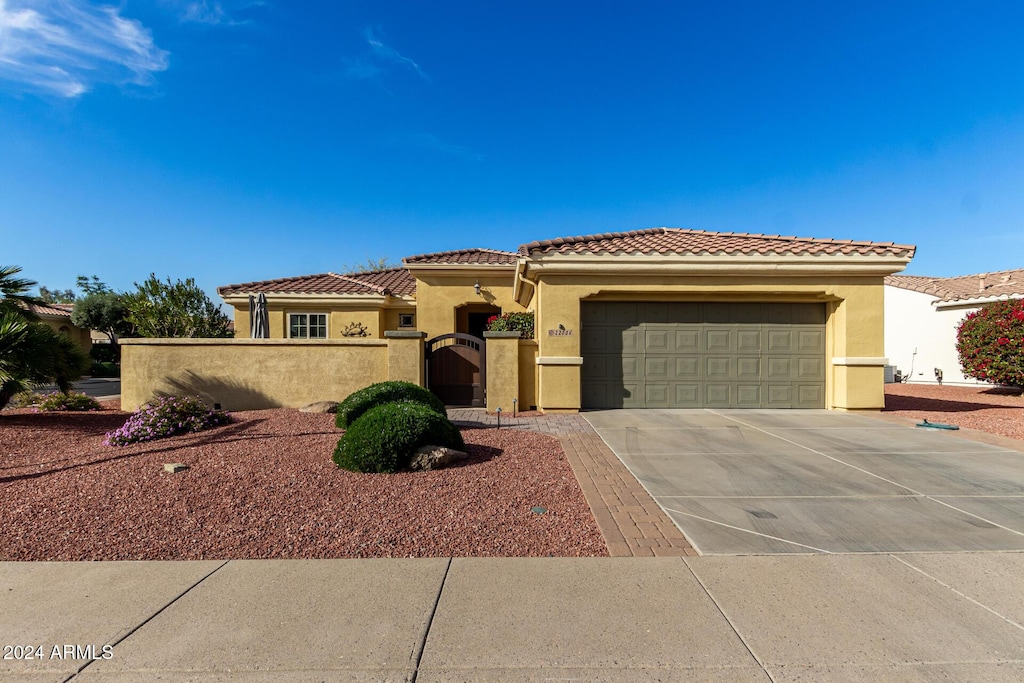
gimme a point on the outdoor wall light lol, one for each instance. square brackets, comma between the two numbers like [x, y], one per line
[476, 287]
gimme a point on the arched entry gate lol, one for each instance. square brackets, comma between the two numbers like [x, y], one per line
[457, 369]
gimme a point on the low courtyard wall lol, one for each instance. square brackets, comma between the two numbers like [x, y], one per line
[252, 374]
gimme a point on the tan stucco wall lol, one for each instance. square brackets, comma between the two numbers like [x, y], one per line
[245, 374]
[527, 374]
[854, 327]
[406, 362]
[439, 296]
[75, 334]
[390, 318]
[375, 320]
[502, 373]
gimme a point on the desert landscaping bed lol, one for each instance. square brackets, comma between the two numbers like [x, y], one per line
[265, 487]
[985, 408]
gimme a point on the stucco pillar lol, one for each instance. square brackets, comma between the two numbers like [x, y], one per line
[558, 336]
[857, 360]
[502, 370]
[405, 356]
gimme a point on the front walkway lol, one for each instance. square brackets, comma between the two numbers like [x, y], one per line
[632, 524]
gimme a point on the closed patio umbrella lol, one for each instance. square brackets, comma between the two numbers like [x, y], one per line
[261, 318]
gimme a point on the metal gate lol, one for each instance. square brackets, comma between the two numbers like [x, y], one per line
[457, 369]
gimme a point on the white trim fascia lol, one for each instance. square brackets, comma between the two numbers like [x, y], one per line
[743, 264]
[462, 269]
[242, 299]
[559, 360]
[979, 301]
[860, 361]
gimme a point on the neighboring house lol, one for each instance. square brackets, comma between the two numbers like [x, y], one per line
[662, 317]
[58, 317]
[922, 315]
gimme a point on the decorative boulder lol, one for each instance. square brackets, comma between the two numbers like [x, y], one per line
[320, 407]
[434, 458]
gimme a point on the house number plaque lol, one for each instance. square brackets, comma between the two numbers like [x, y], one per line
[559, 333]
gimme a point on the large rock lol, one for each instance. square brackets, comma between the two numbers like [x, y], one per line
[435, 457]
[320, 407]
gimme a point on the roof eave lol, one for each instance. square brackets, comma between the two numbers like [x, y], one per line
[941, 304]
[242, 298]
[461, 268]
[804, 264]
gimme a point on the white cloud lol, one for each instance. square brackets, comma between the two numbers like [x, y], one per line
[204, 13]
[65, 47]
[212, 12]
[387, 53]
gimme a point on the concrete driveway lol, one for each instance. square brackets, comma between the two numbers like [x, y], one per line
[742, 482]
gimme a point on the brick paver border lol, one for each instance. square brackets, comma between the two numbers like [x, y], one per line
[633, 525]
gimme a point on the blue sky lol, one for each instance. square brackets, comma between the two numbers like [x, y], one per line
[244, 140]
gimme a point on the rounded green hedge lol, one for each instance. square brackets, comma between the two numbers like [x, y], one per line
[385, 437]
[377, 394]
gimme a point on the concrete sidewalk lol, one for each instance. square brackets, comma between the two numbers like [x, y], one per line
[783, 618]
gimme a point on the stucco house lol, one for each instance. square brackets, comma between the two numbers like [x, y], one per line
[58, 318]
[922, 315]
[662, 317]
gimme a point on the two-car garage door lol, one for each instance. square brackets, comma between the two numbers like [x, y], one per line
[702, 355]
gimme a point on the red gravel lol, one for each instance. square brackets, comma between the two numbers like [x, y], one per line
[265, 487]
[985, 408]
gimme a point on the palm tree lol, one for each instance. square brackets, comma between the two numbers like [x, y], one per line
[30, 352]
[14, 294]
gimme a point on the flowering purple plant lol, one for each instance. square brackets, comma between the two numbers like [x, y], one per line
[164, 417]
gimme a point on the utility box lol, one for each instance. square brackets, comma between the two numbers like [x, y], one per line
[890, 374]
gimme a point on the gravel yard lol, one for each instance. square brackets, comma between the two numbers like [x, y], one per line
[985, 408]
[265, 487]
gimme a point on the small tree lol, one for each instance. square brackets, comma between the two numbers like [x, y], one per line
[990, 343]
[104, 312]
[178, 309]
[56, 296]
[92, 285]
[370, 265]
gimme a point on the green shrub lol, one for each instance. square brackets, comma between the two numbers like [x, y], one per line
[385, 437]
[990, 343]
[512, 322]
[166, 417]
[105, 353]
[374, 395]
[104, 370]
[25, 399]
[70, 401]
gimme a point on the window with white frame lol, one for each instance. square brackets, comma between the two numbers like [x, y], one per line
[307, 325]
[406, 320]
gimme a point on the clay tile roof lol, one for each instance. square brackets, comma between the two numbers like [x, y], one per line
[55, 310]
[394, 281]
[1008, 283]
[464, 257]
[683, 241]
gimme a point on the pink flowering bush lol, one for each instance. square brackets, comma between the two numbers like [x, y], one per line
[990, 343]
[165, 417]
[512, 322]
